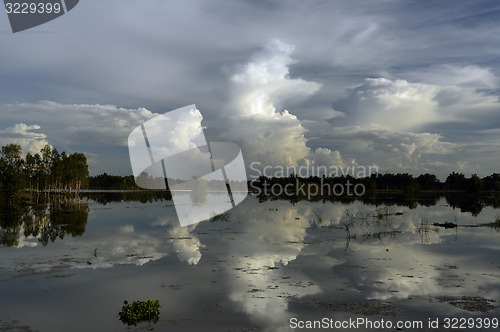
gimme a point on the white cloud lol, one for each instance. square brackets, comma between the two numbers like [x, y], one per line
[267, 132]
[399, 105]
[97, 130]
[186, 245]
[394, 105]
[418, 127]
[73, 124]
[109, 248]
[258, 257]
[264, 84]
[394, 151]
[25, 135]
[327, 157]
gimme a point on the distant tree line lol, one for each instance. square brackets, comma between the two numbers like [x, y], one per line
[429, 182]
[401, 182]
[51, 170]
[107, 181]
[41, 171]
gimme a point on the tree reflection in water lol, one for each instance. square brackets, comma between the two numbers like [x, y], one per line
[50, 218]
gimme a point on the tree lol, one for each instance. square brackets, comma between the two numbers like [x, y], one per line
[56, 170]
[428, 181]
[11, 168]
[474, 184]
[492, 182]
[39, 173]
[30, 170]
[455, 181]
[46, 165]
[77, 171]
[47, 170]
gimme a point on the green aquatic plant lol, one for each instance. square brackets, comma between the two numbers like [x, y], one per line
[139, 311]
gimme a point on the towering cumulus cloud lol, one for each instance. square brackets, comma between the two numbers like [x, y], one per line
[259, 92]
[26, 136]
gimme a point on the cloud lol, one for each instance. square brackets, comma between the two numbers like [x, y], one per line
[264, 84]
[471, 76]
[257, 120]
[393, 123]
[24, 135]
[105, 249]
[97, 130]
[258, 90]
[259, 259]
[72, 124]
[437, 69]
[395, 105]
[186, 245]
[418, 127]
[417, 265]
[327, 157]
[399, 105]
[394, 151]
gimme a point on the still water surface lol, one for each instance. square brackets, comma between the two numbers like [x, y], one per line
[69, 266]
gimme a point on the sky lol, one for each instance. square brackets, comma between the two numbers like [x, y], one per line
[408, 86]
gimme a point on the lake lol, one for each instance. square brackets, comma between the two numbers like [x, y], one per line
[267, 265]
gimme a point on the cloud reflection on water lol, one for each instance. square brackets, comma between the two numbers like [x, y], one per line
[266, 258]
